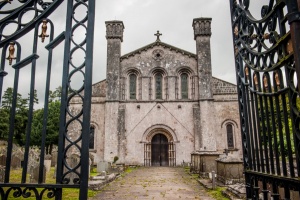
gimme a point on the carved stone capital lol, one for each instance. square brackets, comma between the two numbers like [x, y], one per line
[114, 30]
[202, 27]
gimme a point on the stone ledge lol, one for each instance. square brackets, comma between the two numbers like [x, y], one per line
[98, 184]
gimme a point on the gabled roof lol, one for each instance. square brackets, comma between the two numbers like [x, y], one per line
[158, 43]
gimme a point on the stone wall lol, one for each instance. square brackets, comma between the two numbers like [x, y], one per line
[227, 112]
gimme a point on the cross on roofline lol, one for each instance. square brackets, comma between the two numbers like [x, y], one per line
[157, 35]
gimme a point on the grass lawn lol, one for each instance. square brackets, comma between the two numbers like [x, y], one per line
[68, 193]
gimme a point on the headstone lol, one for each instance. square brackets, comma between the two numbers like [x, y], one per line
[15, 162]
[33, 157]
[3, 160]
[54, 158]
[2, 174]
[102, 166]
[47, 162]
[72, 162]
[34, 174]
[55, 169]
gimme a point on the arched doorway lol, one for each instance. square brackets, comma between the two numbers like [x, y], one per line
[159, 150]
[159, 146]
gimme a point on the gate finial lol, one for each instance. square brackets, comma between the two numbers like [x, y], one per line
[11, 51]
[44, 30]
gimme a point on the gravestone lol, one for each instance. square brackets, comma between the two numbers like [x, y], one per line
[102, 166]
[34, 174]
[54, 158]
[55, 169]
[2, 174]
[72, 162]
[16, 161]
[47, 162]
[3, 160]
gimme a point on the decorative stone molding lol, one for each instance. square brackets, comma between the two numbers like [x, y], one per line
[202, 27]
[162, 129]
[114, 30]
[158, 54]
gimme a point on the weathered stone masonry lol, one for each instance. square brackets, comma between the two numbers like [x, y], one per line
[186, 106]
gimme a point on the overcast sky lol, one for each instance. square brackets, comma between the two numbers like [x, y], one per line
[173, 18]
[142, 18]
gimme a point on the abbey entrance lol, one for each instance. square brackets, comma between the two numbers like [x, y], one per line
[159, 150]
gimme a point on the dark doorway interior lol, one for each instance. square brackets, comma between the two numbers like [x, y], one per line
[159, 150]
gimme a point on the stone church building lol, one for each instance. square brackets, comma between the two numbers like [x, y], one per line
[160, 103]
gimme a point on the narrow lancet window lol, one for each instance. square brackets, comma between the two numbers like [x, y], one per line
[230, 142]
[184, 86]
[158, 86]
[132, 83]
[92, 134]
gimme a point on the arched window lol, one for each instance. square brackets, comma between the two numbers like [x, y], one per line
[184, 86]
[158, 86]
[132, 86]
[92, 134]
[230, 142]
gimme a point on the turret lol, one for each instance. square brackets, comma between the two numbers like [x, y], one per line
[114, 36]
[202, 33]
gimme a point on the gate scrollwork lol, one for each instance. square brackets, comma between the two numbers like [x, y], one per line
[265, 61]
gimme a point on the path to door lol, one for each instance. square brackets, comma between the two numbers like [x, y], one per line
[154, 183]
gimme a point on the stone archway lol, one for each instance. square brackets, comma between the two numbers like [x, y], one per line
[159, 146]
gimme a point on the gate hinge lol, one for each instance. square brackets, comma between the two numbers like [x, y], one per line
[294, 16]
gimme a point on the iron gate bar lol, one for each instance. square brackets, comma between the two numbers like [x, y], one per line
[46, 99]
[267, 95]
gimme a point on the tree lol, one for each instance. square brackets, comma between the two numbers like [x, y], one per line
[21, 115]
[52, 128]
[35, 99]
[4, 122]
[55, 95]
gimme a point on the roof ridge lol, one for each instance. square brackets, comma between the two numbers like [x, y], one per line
[157, 43]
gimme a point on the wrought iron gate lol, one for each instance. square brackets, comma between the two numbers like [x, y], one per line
[15, 15]
[268, 69]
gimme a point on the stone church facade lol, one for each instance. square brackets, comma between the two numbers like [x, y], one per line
[160, 103]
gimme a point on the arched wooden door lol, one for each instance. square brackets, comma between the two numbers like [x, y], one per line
[159, 150]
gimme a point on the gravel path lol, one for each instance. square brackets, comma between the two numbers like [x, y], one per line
[154, 183]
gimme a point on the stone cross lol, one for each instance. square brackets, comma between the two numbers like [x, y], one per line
[157, 35]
